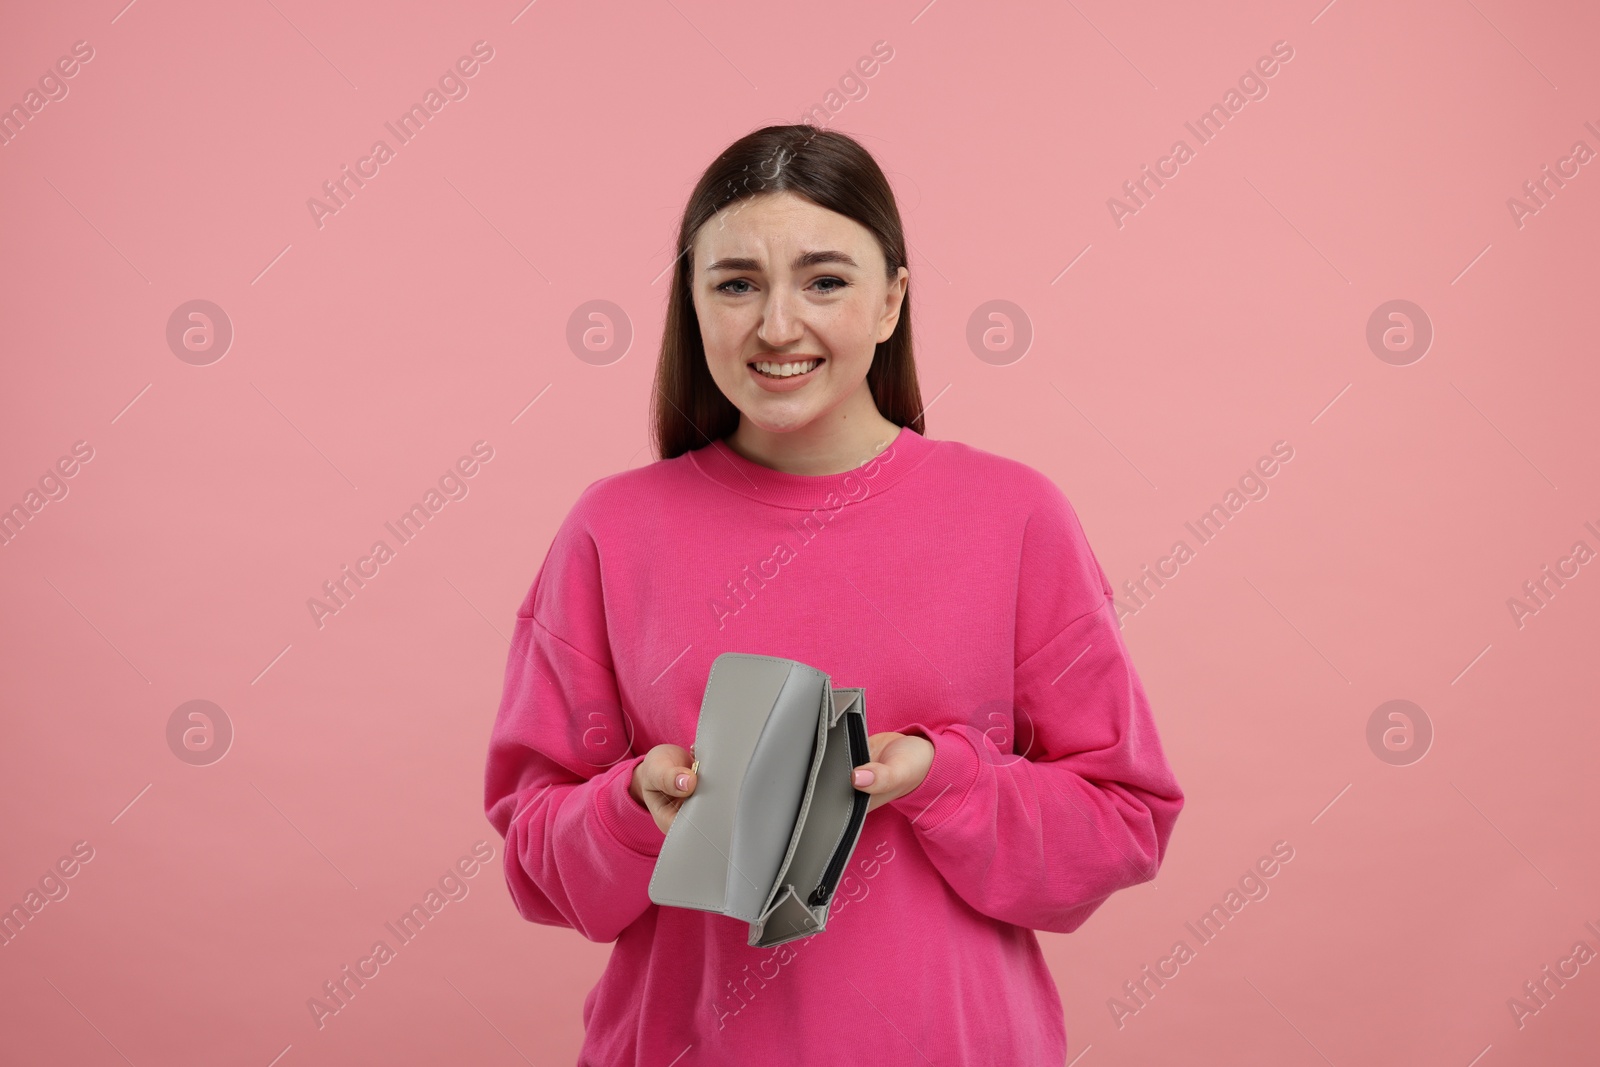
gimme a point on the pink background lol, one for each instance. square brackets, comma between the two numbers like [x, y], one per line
[1229, 313]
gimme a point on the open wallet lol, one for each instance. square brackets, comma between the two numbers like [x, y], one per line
[774, 816]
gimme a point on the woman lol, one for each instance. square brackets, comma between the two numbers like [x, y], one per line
[798, 510]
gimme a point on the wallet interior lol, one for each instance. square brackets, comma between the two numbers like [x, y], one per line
[827, 832]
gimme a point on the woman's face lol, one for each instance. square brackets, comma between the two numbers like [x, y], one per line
[780, 280]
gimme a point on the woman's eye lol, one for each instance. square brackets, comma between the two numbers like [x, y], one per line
[838, 283]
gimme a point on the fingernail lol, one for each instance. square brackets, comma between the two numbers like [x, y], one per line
[863, 777]
[682, 783]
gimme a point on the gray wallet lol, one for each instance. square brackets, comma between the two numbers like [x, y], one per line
[774, 816]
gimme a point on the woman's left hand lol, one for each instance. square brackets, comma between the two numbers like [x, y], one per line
[899, 764]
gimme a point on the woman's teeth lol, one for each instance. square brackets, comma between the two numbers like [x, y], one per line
[786, 370]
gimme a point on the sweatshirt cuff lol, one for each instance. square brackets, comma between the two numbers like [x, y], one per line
[628, 821]
[950, 778]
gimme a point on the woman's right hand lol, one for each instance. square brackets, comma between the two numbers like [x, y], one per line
[661, 781]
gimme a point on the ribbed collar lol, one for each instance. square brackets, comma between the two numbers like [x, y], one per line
[806, 491]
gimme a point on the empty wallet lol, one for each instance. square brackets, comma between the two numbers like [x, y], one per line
[774, 816]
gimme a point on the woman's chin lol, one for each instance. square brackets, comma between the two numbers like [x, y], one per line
[769, 424]
[779, 417]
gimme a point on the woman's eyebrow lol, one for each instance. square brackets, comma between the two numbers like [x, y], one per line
[805, 259]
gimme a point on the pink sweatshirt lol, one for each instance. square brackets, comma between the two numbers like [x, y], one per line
[958, 588]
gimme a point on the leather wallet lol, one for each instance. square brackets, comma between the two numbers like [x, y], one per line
[774, 816]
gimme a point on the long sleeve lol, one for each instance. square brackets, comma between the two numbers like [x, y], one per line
[579, 849]
[1037, 821]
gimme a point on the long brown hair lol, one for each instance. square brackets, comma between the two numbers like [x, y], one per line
[830, 169]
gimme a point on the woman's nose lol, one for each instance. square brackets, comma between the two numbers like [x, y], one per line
[780, 326]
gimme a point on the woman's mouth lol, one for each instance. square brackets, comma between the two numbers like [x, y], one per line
[785, 374]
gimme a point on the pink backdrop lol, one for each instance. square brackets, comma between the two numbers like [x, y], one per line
[188, 484]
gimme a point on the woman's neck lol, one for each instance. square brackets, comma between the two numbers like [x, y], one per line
[831, 444]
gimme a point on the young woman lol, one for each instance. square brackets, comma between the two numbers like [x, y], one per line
[799, 510]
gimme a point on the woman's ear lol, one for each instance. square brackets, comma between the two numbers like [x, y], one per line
[892, 301]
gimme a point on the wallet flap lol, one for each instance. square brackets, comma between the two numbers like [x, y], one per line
[729, 837]
[845, 700]
[775, 795]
